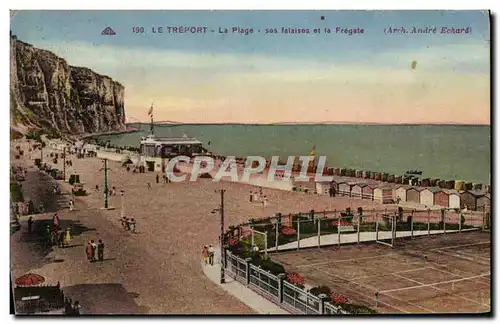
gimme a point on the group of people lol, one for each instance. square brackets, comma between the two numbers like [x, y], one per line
[128, 224]
[54, 235]
[258, 196]
[95, 252]
[208, 254]
[70, 308]
[111, 192]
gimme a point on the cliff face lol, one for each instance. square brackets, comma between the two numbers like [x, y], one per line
[48, 93]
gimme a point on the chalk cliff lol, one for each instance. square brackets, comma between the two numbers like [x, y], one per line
[47, 93]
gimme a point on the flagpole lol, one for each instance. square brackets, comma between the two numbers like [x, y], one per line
[151, 126]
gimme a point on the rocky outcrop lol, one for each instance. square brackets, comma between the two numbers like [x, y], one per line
[48, 93]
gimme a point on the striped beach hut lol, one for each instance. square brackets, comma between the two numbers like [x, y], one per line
[413, 195]
[367, 191]
[357, 190]
[383, 194]
[427, 195]
[453, 198]
[400, 193]
[472, 198]
[345, 189]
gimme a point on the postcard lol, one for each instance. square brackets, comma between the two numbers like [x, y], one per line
[333, 163]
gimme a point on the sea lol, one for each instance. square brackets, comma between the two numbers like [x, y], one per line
[446, 152]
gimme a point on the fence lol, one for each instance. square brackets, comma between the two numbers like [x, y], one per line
[276, 289]
[302, 230]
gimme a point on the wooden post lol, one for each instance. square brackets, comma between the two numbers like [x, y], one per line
[319, 233]
[428, 221]
[359, 224]
[338, 230]
[298, 233]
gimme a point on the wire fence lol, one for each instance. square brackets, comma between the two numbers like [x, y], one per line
[277, 289]
[304, 230]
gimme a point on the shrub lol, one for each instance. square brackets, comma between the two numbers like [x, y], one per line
[271, 266]
[295, 278]
[316, 291]
[338, 299]
[15, 192]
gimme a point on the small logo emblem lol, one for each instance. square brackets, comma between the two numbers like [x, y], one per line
[108, 31]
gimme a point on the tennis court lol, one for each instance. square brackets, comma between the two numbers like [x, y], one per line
[447, 273]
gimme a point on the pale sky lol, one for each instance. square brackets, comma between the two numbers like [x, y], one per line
[263, 78]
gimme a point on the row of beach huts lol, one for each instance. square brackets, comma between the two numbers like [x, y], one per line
[387, 193]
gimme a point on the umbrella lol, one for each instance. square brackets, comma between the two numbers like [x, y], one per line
[29, 279]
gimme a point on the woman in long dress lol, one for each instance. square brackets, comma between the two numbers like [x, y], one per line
[67, 237]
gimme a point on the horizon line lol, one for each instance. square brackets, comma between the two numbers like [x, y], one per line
[175, 123]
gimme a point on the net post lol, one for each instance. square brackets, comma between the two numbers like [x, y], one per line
[338, 230]
[376, 226]
[265, 244]
[253, 238]
[484, 217]
[393, 230]
[298, 232]
[411, 224]
[444, 221]
[460, 221]
[359, 223]
[376, 299]
[319, 233]
[428, 221]
[277, 233]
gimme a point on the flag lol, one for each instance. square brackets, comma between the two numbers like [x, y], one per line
[150, 112]
[313, 151]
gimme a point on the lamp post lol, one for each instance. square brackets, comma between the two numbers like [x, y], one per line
[122, 203]
[222, 250]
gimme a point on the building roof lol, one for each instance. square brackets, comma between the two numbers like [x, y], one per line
[384, 187]
[475, 192]
[433, 189]
[451, 192]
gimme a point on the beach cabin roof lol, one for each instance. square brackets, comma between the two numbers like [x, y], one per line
[405, 187]
[361, 185]
[416, 188]
[476, 192]
[433, 189]
[384, 187]
[451, 192]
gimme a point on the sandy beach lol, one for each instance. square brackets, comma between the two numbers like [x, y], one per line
[157, 270]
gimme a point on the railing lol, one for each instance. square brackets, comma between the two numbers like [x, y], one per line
[276, 289]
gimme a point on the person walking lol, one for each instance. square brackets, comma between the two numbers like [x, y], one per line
[132, 225]
[204, 254]
[76, 308]
[157, 178]
[88, 251]
[100, 251]
[30, 224]
[67, 237]
[61, 239]
[94, 250]
[211, 255]
[251, 197]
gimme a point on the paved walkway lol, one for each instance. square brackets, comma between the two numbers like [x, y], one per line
[332, 239]
[253, 300]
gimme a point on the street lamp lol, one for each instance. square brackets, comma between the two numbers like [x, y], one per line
[222, 250]
[122, 202]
